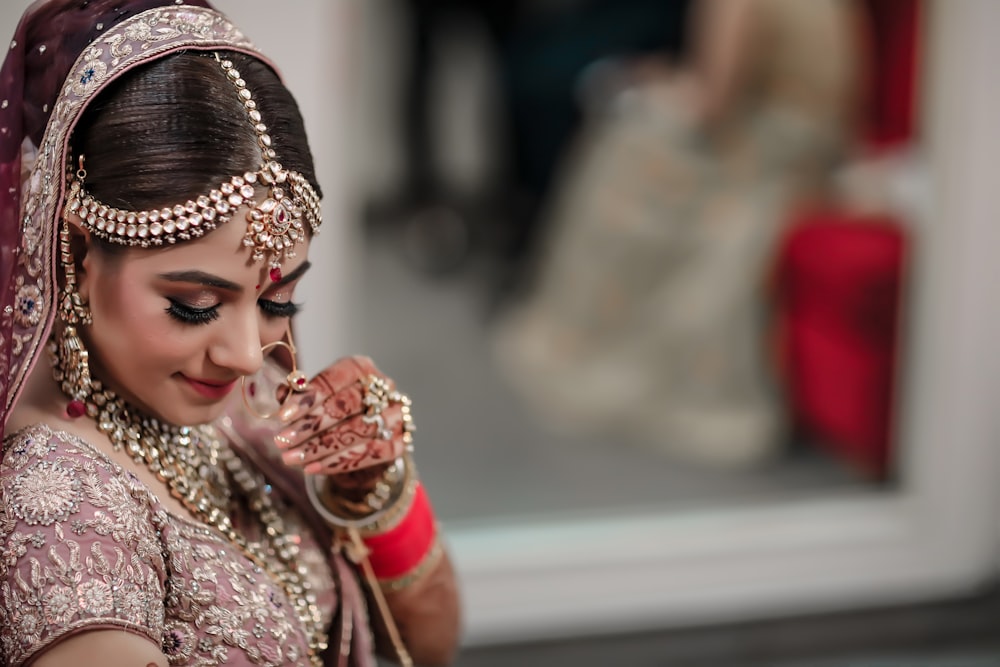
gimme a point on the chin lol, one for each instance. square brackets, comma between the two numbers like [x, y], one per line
[195, 415]
[182, 412]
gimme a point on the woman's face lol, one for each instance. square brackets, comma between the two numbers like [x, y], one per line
[176, 328]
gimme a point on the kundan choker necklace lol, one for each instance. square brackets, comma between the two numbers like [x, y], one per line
[202, 474]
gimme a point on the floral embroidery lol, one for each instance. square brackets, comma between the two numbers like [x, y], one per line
[95, 598]
[60, 605]
[44, 494]
[179, 643]
[28, 304]
[92, 72]
[108, 555]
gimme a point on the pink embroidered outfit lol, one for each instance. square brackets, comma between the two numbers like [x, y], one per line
[83, 543]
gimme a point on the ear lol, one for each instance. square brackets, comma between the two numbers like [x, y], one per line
[81, 249]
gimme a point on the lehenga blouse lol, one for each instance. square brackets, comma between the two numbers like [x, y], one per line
[85, 545]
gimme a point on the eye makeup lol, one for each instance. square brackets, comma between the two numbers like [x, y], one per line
[188, 314]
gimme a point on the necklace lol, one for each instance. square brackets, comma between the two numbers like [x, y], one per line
[201, 473]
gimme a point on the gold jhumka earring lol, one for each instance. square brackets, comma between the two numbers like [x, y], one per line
[73, 372]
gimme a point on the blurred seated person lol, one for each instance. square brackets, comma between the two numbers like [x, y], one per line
[648, 315]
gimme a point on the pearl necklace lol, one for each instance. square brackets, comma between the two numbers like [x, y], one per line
[199, 471]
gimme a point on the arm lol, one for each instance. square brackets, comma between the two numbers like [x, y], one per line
[723, 33]
[346, 445]
[428, 616]
[103, 648]
[404, 559]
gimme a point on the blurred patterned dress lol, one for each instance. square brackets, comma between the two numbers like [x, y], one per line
[649, 315]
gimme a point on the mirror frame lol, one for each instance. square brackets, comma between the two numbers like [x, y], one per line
[935, 536]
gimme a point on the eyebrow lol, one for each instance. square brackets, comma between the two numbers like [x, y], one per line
[208, 280]
[296, 274]
[200, 278]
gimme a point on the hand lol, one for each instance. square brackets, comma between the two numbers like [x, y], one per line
[330, 430]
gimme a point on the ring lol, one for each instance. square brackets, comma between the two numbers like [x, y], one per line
[377, 396]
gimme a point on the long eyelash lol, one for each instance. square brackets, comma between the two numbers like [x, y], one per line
[188, 315]
[278, 309]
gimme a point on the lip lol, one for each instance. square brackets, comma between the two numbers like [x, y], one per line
[213, 389]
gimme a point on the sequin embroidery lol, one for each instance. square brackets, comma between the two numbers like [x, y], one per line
[84, 544]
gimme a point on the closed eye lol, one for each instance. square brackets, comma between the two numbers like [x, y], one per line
[278, 308]
[186, 314]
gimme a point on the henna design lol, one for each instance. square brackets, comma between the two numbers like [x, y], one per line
[332, 429]
[372, 453]
[346, 435]
[347, 402]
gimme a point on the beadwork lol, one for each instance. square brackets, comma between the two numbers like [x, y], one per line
[274, 225]
[203, 475]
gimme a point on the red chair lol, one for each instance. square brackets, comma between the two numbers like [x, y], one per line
[839, 276]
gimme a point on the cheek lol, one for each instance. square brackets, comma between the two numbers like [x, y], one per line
[272, 329]
[128, 318]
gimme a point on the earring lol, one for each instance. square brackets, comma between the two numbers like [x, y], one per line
[71, 369]
[295, 381]
[72, 307]
[70, 359]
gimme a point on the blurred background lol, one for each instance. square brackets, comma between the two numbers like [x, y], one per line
[647, 252]
[695, 302]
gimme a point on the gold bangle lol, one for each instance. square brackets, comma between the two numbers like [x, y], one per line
[336, 511]
[393, 514]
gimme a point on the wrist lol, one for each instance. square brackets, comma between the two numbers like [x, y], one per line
[396, 531]
[403, 552]
[361, 500]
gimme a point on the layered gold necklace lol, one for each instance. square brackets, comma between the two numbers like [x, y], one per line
[202, 474]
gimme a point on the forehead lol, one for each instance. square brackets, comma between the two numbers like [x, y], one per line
[221, 252]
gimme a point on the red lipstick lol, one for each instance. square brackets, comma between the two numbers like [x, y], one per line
[213, 389]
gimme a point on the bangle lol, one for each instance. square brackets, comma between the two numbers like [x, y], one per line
[341, 512]
[403, 553]
[429, 561]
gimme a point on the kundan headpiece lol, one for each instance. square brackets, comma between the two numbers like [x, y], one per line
[274, 225]
[64, 53]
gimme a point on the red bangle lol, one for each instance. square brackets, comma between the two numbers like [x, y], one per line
[403, 548]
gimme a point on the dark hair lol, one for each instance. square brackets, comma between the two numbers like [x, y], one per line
[177, 128]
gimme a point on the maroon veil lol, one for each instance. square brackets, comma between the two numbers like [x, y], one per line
[49, 39]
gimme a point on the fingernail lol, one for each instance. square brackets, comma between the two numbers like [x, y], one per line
[293, 411]
[284, 439]
[293, 458]
[313, 468]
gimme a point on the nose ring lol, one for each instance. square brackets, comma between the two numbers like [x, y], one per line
[295, 381]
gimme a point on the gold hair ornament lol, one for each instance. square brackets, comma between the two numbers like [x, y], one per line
[274, 225]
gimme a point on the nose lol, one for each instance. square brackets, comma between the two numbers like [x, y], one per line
[237, 347]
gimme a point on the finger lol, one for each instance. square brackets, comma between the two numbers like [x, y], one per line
[347, 434]
[322, 416]
[341, 375]
[371, 453]
[344, 372]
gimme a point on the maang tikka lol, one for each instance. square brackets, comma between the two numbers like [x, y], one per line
[274, 225]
